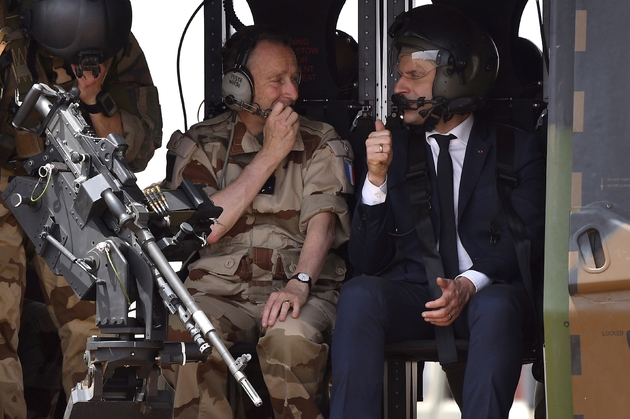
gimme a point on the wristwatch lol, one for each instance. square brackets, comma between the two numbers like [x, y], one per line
[304, 278]
[105, 104]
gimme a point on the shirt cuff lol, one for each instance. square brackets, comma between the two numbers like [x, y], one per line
[373, 195]
[478, 279]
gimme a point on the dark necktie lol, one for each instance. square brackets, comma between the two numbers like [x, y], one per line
[448, 232]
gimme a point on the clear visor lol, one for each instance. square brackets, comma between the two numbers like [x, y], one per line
[414, 68]
[430, 55]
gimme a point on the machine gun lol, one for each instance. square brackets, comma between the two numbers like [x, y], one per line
[88, 219]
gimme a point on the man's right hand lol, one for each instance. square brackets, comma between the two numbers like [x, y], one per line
[379, 153]
[280, 131]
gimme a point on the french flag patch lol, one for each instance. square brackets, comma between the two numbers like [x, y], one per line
[349, 170]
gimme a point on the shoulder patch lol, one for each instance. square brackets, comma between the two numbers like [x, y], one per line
[349, 166]
[340, 148]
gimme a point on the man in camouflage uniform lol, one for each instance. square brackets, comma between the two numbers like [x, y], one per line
[280, 182]
[138, 118]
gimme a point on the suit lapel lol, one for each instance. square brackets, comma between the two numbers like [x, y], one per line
[477, 152]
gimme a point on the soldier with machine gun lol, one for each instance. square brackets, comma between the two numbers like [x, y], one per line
[117, 95]
[82, 209]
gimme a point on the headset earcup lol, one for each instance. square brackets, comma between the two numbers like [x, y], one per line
[238, 83]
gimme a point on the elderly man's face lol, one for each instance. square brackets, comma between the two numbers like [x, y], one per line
[275, 72]
[416, 80]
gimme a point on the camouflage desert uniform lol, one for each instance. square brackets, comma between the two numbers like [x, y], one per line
[130, 84]
[234, 277]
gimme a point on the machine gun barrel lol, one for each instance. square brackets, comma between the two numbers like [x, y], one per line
[201, 319]
[149, 245]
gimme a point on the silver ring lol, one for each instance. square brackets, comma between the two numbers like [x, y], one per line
[380, 148]
[450, 316]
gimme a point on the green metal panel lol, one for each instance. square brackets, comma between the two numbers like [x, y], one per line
[587, 277]
[599, 241]
[559, 169]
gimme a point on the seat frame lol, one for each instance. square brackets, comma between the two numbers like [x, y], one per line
[402, 383]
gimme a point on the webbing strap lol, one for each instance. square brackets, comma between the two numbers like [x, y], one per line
[506, 182]
[20, 51]
[504, 210]
[419, 193]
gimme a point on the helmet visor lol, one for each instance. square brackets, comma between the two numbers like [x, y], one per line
[416, 68]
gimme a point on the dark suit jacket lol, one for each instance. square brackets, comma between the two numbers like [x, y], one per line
[384, 242]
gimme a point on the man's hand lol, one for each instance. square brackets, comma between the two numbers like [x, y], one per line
[455, 296]
[378, 147]
[103, 125]
[280, 131]
[293, 296]
[89, 85]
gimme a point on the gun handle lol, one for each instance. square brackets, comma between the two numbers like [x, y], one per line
[27, 106]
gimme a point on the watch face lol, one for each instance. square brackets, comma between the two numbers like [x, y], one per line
[109, 106]
[303, 277]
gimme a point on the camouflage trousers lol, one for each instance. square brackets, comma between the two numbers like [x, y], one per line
[293, 355]
[74, 319]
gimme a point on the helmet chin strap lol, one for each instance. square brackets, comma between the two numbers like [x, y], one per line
[432, 117]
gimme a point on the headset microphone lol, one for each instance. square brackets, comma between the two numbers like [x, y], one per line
[456, 106]
[232, 101]
[404, 103]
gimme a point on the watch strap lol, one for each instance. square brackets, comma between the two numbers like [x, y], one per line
[93, 108]
[105, 104]
[309, 282]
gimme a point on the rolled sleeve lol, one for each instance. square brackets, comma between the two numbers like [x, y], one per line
[326, 181]
[314, 204]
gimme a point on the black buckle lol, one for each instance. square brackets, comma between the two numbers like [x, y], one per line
[511, 180]
[269, 187]
[417, 175]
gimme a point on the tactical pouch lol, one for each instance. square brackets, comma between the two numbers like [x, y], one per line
[7, 145]
[27, 144]
[181, 148]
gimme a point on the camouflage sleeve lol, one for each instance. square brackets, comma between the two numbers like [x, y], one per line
[329, 175]
[187, 159]
[130, 84]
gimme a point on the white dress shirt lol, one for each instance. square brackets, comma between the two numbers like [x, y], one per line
[374, 195]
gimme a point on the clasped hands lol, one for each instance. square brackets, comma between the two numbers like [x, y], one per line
[455, 295]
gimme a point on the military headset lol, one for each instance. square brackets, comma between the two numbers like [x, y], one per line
[237, 87]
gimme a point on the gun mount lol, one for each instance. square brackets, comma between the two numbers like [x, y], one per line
[86, 216]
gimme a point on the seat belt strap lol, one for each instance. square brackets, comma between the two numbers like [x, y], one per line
[506, 182]
[420, 196]
[504, 211]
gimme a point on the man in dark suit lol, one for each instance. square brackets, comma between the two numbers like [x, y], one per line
[447, 64]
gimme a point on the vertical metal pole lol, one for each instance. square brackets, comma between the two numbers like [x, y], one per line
[214, 35]
[368, 51]
[392, 9]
